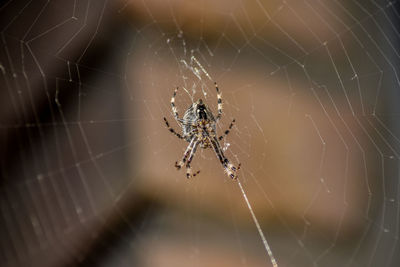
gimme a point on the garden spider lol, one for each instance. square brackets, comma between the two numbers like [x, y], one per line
[199, 128]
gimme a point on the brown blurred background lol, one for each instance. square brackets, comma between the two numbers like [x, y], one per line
[87, 175]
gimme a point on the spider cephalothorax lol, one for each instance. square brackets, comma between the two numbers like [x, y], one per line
[199, 128]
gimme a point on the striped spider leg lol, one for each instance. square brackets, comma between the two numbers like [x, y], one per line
[199, 129]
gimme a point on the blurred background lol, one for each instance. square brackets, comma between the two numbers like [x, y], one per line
[87, 164]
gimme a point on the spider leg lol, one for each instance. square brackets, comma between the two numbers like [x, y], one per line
[227, 131]
[188, 168]
[219, 99]
[172, 130]
[230, 169]
[186, 154]
[173, 107]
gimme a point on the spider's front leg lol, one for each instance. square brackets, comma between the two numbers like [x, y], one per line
[188, 151]
[188, 168]
[227, 131]
[230, 169]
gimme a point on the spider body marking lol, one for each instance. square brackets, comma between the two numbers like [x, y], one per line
[199, 129]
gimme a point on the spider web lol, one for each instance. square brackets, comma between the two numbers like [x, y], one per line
[87, 164]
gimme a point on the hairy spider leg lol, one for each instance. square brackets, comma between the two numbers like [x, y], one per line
[173, 107]
[225, 161]
[219, 99]
[186, 154]
[230, 169]
[227, 131]
[188, 168]
[172, 130]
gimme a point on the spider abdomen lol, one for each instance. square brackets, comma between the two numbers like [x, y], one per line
[199, 129]
[197, 119]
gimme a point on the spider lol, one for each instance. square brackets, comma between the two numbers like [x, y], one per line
[199, 128]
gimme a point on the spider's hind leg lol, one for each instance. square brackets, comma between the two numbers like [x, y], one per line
[173, 107]
[219, 100]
